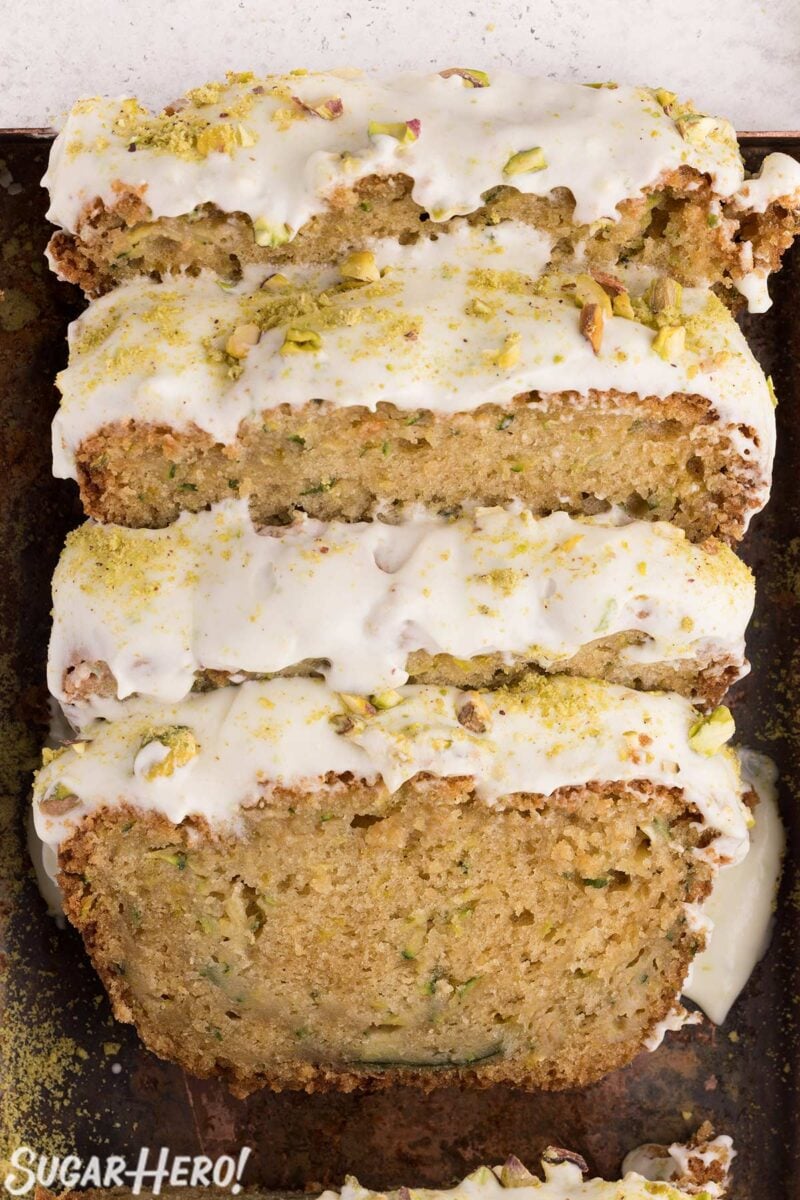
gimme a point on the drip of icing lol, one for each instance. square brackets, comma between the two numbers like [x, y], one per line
[778, 179]
[281, 162]
[742, 903]
[754, 286]
[212, 592]
[676, 1019]
[430, 335]
[44, 859]
[231, 743]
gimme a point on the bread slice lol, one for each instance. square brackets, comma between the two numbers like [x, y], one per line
[433, 382]
[307, 166]
[282, 886]
[682, 1170]
[471, 601]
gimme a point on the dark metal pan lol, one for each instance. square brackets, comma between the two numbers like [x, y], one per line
[75, 1081]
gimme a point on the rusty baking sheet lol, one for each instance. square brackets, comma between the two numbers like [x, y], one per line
[75, 1081]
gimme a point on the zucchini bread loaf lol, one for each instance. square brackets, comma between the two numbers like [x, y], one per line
[374, 387]
[306, 166]
[473, 601]
[282, 885]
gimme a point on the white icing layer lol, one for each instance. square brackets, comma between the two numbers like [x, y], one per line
[566, 1181]
[155, 353]
[211, 592]
[742, 904]
[560, 732]
[284, 163]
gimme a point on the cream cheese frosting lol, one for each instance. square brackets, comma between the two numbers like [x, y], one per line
[212, 592]
[741, 906]
[213, 753]
[271, 148]
[442, 336]
[562, 1178]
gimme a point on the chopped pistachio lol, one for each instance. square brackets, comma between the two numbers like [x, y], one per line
[709, 734]
[246, 138]
[242, 340]
[181, 744]
[49, 754]
[297, 341]
[208, 93]
[267, 234]
[388, 698]
[222, 139]
[589, 291]
[481, 1176]
[771, 390]
[474, 79]
[360, 265]
[614, 286]
[525, 161]
[478, 308]
[514, 1174]
[59, 800]
[665, 295]
[507, 356]
[347, 723]
[665, 99]
[591, 325]
[402, 131]
[622, 307]
[473, 712]
[555, 1155]
[328, 110]
[670, 341]
[274, 282]
[359, 705]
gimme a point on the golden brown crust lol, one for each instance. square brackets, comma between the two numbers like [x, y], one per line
[99, 896]
[661, 459]
[667, 228]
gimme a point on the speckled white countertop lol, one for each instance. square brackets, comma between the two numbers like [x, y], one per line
[737, 58]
